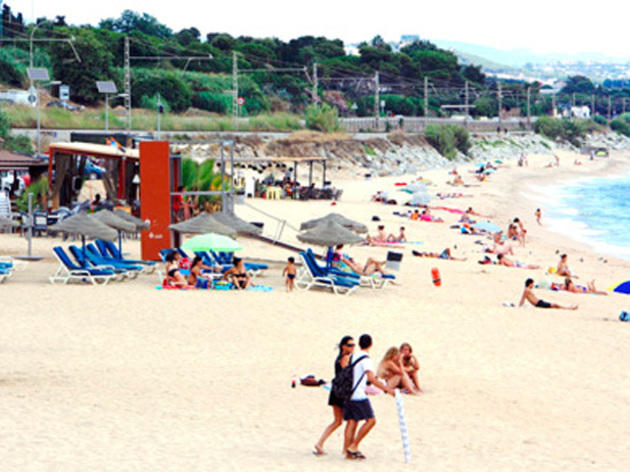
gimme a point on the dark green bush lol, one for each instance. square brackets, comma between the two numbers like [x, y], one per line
[621, 127]
[448, 139]
[323, 118]
[600, 120]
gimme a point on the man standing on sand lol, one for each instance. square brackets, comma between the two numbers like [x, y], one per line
[528, 294]
[358, 407]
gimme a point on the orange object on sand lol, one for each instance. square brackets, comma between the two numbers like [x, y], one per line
[435, 274]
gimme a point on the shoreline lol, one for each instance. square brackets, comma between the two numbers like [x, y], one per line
[615, 167]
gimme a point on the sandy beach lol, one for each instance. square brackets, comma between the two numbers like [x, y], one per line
[128, 377]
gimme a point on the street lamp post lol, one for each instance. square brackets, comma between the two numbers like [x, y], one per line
[39, 75]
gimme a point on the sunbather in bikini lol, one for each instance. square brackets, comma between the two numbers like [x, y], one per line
[445, 254]
[196, 279]
[173, 275]
[569, 286]
[504, 261]
[392, 371]
[371, 265]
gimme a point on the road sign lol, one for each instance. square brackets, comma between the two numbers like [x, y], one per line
[64, 93]
[240, 101]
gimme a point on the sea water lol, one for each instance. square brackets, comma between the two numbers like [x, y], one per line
[593, 210]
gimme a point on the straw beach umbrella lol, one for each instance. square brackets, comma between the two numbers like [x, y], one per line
[84, 225]
[336, 218]
[202, 224]
[114, 221]
[140, 224]
[240, 225]
[329, 233]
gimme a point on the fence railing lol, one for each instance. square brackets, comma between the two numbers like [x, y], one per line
[414, 124]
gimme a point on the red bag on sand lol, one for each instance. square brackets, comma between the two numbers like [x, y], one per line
[400, 184]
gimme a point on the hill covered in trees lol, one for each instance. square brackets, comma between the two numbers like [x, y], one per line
[276, 75]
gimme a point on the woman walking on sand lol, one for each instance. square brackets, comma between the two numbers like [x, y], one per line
[346, 348]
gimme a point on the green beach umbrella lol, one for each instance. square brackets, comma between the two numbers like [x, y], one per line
[211, 242]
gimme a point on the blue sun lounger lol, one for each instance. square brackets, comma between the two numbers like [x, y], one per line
[69, 271]
[376, 280]
[84, 262]
[109, 250]
[311, 275]
[95, 258]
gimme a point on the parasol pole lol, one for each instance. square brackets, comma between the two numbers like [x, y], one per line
[403, 426]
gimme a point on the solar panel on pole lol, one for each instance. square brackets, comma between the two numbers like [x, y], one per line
[38, 74]
[106, 86]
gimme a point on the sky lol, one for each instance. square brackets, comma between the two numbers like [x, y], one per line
[541, 26]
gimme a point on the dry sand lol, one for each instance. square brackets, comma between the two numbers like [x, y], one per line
[126, 377]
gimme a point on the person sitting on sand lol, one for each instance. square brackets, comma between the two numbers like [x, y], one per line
[415, 216]
[427, 216]
[173, 275]
[528, 294]
[380, 234]
[410, 364]
[371, 265]
[401, 238]
[196, 279]
[504, 261]
[445, 254]
[563, 268]
[569, 286]
[392, 371]
[501, 246]
[238, 275]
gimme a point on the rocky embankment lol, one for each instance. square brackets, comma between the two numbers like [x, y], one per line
[395, 153]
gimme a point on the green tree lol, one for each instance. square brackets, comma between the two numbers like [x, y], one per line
[96, 64]
[578, 84]
[130, 21]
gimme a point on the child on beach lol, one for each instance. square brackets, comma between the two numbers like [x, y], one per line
[538, 215]
[289, 272]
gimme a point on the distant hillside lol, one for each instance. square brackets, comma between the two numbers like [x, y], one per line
[486, 64]
[521, 56]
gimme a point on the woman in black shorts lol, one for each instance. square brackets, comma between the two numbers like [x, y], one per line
[346, 348]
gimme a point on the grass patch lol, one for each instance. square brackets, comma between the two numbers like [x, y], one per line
[369, 151]
[57, 118]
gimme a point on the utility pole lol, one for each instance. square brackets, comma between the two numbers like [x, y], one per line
[529, 100]
[377, 100]
[592, 104]
[128, 84]
[426, 101]
[234, 89]
[466, 98]
[553, 105]
[500, 99]
[573, 100]
[315, 83]
[609, 108]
